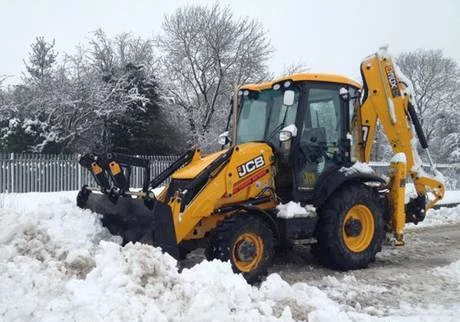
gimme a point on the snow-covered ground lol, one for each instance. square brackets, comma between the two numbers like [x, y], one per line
[442, 216]
[57, 263]
[450, 197]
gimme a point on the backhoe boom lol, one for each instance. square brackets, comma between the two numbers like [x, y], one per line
[388, 97]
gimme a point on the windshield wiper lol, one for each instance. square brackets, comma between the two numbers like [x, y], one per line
[279, 126]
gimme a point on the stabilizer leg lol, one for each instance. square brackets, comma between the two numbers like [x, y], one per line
[397, 195]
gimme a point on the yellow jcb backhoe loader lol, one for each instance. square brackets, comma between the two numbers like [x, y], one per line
[298, 138]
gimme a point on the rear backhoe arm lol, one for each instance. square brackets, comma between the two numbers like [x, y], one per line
[388, 97]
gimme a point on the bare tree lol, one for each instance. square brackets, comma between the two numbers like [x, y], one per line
[2, 79]
[295, 68]
[205, 50]
[436, 85]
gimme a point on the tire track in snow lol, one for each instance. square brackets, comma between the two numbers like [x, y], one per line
[401, 279]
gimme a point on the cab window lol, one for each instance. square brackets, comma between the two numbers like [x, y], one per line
[322, 124]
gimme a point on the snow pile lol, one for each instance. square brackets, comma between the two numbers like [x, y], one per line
[353, 292]
[58, 263]
[358, 167]
[38, 251]
[295, 210]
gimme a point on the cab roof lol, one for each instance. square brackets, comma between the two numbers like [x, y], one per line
[317, 77]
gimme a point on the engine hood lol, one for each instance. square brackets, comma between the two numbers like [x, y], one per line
[246, 152]
[195, 167]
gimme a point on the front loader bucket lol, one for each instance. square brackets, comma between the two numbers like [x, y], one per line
[132, 219]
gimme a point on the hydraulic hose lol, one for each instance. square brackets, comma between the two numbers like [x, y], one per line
[418, 127]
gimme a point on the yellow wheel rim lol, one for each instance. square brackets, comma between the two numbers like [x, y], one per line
[358, 228]
[247, 252]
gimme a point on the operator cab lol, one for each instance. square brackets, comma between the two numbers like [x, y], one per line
[306, 119]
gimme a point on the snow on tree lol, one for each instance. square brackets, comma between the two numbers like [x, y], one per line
[436, 81]
[23, 125]
[205, 50]
[79, 102]
[41, 59]
[135, 122]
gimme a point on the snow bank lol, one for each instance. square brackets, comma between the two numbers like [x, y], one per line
[442, 216]
[21, 202]
[57, 263]
[450, 197]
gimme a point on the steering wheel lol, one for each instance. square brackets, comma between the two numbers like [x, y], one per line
[312, 153]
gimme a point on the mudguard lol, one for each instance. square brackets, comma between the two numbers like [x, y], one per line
[331, 180]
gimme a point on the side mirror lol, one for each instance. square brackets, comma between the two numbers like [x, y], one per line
[344, 94]
[288, 97]
[224, 138]
[288, 133]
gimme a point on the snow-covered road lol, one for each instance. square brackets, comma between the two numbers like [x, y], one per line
[57, 263]
[419, 277]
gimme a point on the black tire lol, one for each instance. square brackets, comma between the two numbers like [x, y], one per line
[210, 252]
[240, 236]
[341, 245]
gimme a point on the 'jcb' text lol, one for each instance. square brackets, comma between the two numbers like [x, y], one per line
[250, 166]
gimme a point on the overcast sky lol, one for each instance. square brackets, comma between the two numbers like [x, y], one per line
[328, 36]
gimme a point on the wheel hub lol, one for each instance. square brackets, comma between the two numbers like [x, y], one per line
[358, 228]
[353, 227]
[246, 251]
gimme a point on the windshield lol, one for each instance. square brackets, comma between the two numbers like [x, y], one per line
[263, 114]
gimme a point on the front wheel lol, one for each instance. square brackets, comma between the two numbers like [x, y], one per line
[247, 242]
[350, 228]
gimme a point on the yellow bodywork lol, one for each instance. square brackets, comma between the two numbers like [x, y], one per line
[318, 77]
[314, 146]
[225, 187]
[197, 165]
[398, 176]
[388, 102]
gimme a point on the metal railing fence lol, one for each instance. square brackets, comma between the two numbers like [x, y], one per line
[28, 172]
[48, 173]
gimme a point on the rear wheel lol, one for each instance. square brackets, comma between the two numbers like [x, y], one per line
[350, 228]
[247, 242]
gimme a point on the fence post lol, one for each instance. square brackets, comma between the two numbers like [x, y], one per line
[12, 172]
[79, 173]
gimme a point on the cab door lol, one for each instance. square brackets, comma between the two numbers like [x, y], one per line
[321, 134]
